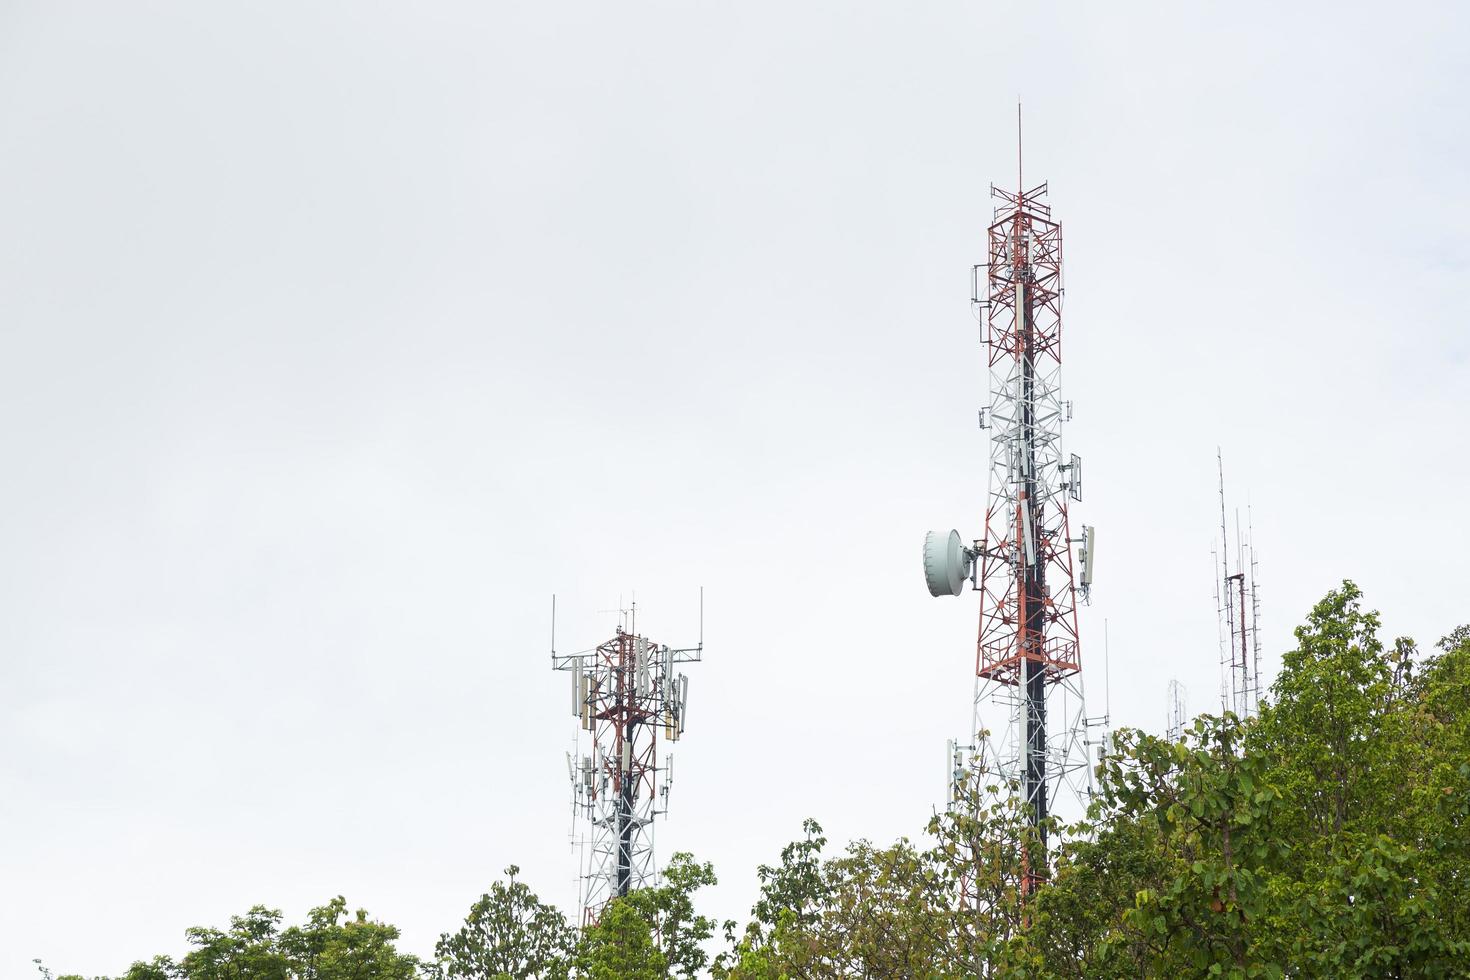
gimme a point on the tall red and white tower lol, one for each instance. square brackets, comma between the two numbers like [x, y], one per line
[1030, 721]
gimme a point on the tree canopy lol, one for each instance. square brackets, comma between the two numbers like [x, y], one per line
[509, 933]
[1327, 837]
[330, 945]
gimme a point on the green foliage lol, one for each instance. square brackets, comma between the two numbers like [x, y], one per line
[869, 912]
[162, 968]
[1331, 724]
[795, 885]
[46, 973]
[1195, 817]
[983, 844]
[620, 947]
[668, 909]
[331, 946]
[334, 946]
[652, 932]
[884, 913]
[509, 933]
[790, 902]
[1325, 839]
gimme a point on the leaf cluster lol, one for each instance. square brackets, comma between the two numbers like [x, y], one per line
[332, 944]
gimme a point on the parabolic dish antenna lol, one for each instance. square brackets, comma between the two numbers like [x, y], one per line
[946, 563]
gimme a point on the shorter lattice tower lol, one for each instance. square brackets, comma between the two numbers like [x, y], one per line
[628, 696]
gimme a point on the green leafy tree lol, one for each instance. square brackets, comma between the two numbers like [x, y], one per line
[249, 948]
[794, 886]
[1332, 727]
[46, 973]
[161, 968]
[885, 913]
[1441, 806]
[509, 933]
[620, 947]
[983, 844]
[334, 946]
[790, 900]
[869, 912]
[331, 945]
[1073, 926]
[1205, 903]
[1355, 734]
[668, 909]
[1326, 839]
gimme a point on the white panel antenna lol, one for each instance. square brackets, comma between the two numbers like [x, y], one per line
[1027, 536]
[1087, 553]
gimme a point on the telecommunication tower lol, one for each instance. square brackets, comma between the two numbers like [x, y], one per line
[1177, 714]
[627, 695]
[1029, 720]
[1238, 611]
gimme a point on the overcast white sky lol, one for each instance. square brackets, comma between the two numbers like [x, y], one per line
[336, 337]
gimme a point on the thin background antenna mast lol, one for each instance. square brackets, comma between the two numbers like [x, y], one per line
[1237, 606]
[1174, 730]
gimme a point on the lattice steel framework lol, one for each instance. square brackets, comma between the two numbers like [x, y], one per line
[627, 696]
[1029, 705]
